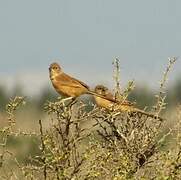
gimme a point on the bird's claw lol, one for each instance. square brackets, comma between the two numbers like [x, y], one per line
[71, 99]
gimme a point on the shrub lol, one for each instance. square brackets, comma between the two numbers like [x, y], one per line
[96, 144]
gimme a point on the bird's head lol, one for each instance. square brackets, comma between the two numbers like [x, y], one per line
[100, 89]
[55, 68]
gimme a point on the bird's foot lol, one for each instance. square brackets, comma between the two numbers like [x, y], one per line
[73, 101]
[66, 102]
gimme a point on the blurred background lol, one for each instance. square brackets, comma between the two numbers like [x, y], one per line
[84, 37]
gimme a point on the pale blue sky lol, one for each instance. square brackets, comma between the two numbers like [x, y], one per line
[85, 36]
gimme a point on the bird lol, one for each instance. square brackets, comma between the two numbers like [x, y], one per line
[104, 91]
[68, 86]
[125, 106]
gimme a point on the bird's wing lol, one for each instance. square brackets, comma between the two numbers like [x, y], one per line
[67, 80]
[102, 96]
[109, 95]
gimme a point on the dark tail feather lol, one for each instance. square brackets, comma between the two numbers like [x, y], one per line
[98, 95]
[148, 114]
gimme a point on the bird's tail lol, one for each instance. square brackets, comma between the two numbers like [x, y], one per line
[129, 108]
[104, 97]
[132, 109]
[147, 114]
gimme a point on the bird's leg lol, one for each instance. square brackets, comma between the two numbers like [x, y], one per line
[69, 98]
[65, 100]
[73, 101]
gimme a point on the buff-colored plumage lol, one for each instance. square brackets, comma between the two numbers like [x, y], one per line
[65, 84]
[102, 90]
[68, 86]
[125, 106]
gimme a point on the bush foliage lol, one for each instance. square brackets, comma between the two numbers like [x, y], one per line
[94, 144]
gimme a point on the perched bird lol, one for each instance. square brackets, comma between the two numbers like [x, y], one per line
[68, 86]
[102, 90]
[125, 106]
